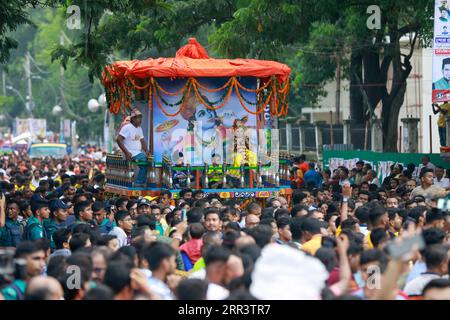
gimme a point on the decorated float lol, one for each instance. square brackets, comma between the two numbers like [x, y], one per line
[211, 124]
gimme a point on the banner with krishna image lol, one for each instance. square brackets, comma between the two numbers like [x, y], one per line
[192, 124]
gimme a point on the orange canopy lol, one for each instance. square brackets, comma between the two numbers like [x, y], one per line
[192, 60]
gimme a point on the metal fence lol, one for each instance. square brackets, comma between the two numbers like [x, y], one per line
[359, 141]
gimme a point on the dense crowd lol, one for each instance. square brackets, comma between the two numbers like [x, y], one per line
[342, 235]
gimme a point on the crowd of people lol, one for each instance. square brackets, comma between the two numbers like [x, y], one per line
[342, 235]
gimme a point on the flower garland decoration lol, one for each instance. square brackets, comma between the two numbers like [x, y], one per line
[270, 93]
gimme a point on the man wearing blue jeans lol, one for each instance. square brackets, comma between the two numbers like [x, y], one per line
[132, 143]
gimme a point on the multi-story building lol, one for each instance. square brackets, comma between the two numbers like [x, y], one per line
[417, 103]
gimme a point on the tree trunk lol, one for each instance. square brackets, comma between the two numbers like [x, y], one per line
[356, 99]
[390, 114]
[393, 102]
[371, 64]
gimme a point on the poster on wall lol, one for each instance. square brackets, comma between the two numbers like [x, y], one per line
[197, 134]
[22, 126]
[66, 128]
[37, 128]
[441, 51]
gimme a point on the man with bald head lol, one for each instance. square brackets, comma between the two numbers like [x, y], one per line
[283, 202]
[235, 268]
[44, 288]
[251, 221]
[244, 240]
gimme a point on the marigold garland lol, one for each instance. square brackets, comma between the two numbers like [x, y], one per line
[238, 93]
[119, 92]
[258, 90]
[195, 81]
[207, 106]
[155, 83]
[139, 87]
[179, 102]
[150, 98]
[162, 109]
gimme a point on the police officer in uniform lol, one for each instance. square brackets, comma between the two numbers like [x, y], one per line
[12, 230]
[58, 214]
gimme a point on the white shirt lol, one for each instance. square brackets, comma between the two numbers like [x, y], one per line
[121, 236]
[35, 182]
[199, 274]
[132, 138]
[428, 193]
[429, 166]
[418, 268]
[147, 273]
[444, 183]
[161, 289]
[216, 292]
[98, 155]
[363, 230]
[375, 181]
[415, 287]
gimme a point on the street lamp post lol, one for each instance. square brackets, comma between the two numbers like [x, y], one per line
[93, 106]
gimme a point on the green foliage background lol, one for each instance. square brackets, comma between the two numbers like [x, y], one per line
[308, 35]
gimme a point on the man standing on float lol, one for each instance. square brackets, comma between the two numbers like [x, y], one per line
[132, 143]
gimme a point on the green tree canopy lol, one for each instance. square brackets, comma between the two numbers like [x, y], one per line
[310, 35]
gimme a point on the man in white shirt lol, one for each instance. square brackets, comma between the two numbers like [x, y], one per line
[343, 176]
[123, 229]
[132, 143]
[216, 260]
[36, 178]
[426, 164]
[70, 171]
[427, 189]
[439, 180]
[3, 175]
[371, 178]
[98, 155]
[161, 261]
[436, 260]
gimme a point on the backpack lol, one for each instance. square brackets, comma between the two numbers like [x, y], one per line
[106, 228]
[29, 228]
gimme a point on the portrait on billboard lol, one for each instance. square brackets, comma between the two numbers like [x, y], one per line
[444, 82]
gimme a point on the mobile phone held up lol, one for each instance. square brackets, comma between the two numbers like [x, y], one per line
[399, 250]
[184, 214]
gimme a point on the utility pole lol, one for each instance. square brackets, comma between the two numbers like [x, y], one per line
[61, 75]
[66, 109]
[27, 67]
[4, 82]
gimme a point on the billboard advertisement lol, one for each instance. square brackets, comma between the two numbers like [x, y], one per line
[441, 52]
[186, 131]
[66, 128]
[37, 128]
